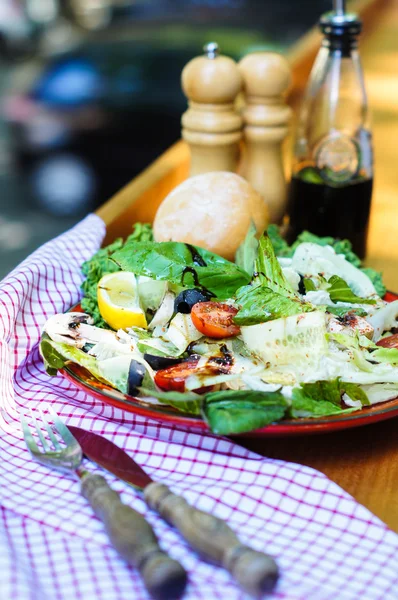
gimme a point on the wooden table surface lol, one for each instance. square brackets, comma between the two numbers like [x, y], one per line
[363, 461]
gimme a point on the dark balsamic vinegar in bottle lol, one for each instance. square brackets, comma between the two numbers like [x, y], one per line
[332, 176]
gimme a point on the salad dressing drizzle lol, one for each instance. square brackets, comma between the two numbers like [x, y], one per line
[196, 282]
[198, 260]
[226, 359]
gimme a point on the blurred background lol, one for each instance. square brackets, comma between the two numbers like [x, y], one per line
[90, 95]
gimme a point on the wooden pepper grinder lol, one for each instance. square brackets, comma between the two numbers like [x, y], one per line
[211, 125]
[266, 76]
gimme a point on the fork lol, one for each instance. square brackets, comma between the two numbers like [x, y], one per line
[131, 535]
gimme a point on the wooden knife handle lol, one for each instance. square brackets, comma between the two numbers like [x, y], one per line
[256, 572]
[134, 539]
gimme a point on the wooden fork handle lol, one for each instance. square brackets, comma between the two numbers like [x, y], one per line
[134, 539]
[256, 572]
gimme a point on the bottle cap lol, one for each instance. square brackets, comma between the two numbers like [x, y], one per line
[340, 24]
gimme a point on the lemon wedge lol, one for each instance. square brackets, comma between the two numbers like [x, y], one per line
[118, 301]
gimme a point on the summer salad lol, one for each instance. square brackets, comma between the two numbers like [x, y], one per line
[284, 332]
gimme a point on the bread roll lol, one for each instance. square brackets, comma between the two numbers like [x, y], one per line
[213, 210]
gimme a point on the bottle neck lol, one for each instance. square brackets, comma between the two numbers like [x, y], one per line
[341, 31]
[343, 44]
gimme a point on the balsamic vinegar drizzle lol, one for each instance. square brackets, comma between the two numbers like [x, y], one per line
[198, 261]
[194, 275]
[225, 360]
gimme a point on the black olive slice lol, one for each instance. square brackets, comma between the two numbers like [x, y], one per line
[136, 376]
[187, 298]
[301, 286]
[161, 362]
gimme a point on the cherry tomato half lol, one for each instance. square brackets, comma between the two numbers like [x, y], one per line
[214, 319]
[173, 378]
[389, 342]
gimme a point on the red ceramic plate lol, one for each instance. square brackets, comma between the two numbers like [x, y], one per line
[160, 412]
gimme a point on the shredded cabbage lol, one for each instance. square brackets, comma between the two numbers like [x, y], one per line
[311, 260]
[384, 319]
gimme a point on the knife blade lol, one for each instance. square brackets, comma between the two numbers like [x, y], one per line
[110, 457]
[256, 572]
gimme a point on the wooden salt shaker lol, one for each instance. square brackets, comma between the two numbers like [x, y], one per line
[211, 125]
[266, 76]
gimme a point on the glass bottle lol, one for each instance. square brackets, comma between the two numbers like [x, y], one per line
[332, 173]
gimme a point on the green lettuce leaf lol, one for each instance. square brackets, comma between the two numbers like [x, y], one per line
[158, 347]
[377, 279]
[182, 264]
[323, 390]
[323, 398]
[345, 247]
[228, 412]
[52, 358]
[385, 355]
[270, 295]
[357, 341]
[259, 304]
[304, 406]
[309, 285]
[355, 392]
[100, 264]
[94, 269]
[332, 391]
[247, 251]
[341, 311]
[113, 371]
[56, 354]
[340, 291]
[268, 270]
[358, 345]
[188, 402]
[279, 244]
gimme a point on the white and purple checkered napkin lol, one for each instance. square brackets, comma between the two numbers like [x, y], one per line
[51, 545]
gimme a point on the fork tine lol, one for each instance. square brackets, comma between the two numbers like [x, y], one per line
[51, 435]
[62, 428]
[29, 439]
[64, 458]
[39, 431]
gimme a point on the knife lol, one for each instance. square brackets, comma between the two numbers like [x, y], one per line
[256, 572]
